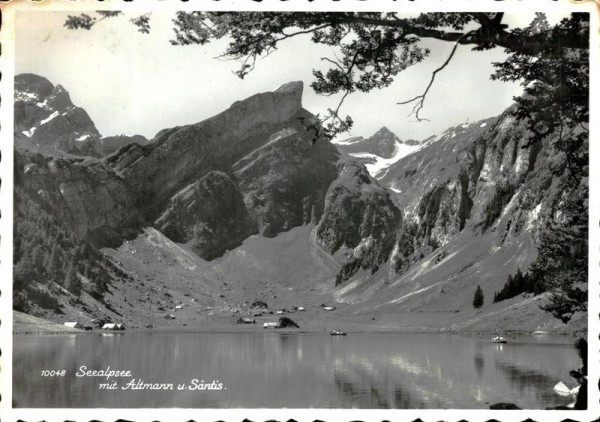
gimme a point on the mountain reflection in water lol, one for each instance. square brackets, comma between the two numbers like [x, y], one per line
[377, 370]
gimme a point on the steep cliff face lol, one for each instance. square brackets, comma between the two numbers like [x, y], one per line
[284, 181]
[87, 196]
[475, 184]
[255, 167]
[359, 218]
[474, 176]
[209, 215]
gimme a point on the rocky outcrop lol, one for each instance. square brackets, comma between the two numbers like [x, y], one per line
[359, 217]
[209, 215]
[285, 322]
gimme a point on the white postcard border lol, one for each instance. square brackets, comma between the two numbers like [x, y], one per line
[7, 37]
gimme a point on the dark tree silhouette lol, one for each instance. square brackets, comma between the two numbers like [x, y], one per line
[478, 298]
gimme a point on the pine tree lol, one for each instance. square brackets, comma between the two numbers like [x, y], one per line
[478, 298]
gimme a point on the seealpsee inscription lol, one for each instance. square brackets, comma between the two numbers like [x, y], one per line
[105, 373]
[110, 380]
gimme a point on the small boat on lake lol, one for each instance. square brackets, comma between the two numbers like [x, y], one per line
[338, 333]
[498, 339]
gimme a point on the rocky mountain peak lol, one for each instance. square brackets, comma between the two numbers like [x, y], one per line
[47, 121]
[59, 99]
[381, 144]
[294, 87]
[266, 107]
[45, 118]
[384, 132]
[260, 140]
[29, 83]
[37, 91]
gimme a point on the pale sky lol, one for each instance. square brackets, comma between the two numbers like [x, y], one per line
[132, 83]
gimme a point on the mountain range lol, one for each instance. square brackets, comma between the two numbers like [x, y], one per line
[247, 205]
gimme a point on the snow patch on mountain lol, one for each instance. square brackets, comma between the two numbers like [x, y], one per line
[378, 165]
[47, 119]
[348, 141]
[29, 133]
[26, 96]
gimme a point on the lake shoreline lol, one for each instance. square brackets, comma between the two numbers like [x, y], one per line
[35, 326]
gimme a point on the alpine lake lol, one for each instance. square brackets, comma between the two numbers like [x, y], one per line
[294, 370]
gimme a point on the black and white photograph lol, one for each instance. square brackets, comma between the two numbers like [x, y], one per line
[300, 209]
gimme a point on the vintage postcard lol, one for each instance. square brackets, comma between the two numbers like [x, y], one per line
[299, 210]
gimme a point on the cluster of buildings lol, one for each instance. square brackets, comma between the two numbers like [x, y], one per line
[110, 326]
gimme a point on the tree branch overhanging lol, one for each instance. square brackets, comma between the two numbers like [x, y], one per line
[374, 46]
[421, 98]
[490, 32]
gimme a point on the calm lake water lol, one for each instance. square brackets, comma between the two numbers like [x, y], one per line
[273, 370]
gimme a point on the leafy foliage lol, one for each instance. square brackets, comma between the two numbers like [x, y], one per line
[556, 90]
[555, 106]
[143, 23]
[85, 21]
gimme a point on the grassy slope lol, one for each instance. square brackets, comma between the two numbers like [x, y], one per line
[292, 270]
[28, 324]
[439, 295]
